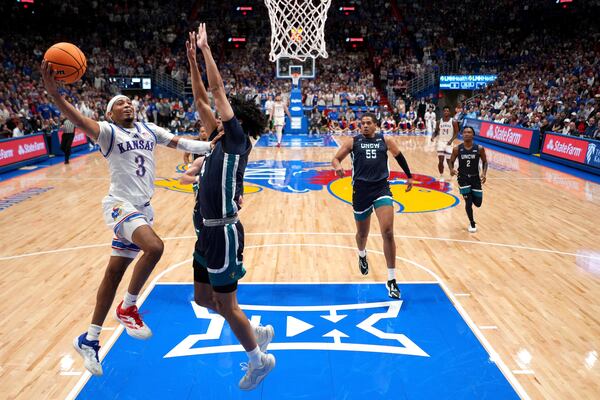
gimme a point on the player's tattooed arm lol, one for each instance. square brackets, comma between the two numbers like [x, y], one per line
[452, 160]
[484, 163]
[88, 125]
[336, 163]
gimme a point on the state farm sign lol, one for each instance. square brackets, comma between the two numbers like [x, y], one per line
[506, 134]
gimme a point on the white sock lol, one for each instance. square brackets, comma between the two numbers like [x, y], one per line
[129, 300]
[391, 273]
[362, 253]
[93, 332]
[254, 357]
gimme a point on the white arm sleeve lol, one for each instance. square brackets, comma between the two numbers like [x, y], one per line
[193, 146]
[163, 136]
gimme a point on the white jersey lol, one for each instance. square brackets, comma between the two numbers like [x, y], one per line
[278, 109]
[268, 106]
[429, 116]
[446, 128]
[130, 155]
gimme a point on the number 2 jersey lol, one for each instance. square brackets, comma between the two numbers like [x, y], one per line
[369, 159]
[130, 155]
[468, 160]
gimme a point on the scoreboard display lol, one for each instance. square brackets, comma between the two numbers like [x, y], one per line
[465, 82]
[131, 83]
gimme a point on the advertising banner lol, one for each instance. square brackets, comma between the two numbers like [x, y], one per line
[583, 152]
[22, 149]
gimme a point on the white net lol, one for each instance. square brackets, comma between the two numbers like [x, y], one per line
[298, 28]
[295, 79]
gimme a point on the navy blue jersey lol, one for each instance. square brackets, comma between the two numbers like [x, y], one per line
[195, 186]
[468, 160]
[222, 174]
[369, 159]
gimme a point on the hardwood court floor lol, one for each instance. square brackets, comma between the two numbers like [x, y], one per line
[529, 277]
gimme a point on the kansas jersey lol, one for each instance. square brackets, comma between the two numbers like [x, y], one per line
[468, 160]
[369, 159]
[278, 109]
[446, 128]
[222, 174]
[130, 155]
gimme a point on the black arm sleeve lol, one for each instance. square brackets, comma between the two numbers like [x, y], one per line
[403, 164]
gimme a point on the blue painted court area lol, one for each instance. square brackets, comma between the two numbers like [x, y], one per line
[332, 341]
[297, 141]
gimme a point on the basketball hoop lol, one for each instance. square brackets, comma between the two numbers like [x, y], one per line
[297, 28]
[295, 78]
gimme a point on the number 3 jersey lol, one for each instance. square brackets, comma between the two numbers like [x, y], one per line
[130, 155]
[369, 159]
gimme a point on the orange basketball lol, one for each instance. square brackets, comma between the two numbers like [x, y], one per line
[67, 60]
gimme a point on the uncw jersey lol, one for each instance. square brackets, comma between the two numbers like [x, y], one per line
[369, 159]
[468, 160]
[221, 181]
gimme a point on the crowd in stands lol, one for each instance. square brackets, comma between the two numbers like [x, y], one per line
[546, 56]
[548, 77]
[98, 29]
[559, 94]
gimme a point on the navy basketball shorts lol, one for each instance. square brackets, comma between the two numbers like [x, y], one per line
[367, 196]
[470, 184]
[218, 256]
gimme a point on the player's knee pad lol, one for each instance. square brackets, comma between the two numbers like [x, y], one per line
[477, 200]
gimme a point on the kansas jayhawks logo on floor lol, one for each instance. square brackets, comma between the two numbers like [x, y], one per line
[297, 176]
[428, 194]
[174, 185]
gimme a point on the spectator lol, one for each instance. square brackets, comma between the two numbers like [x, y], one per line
[592, 130]
[18, 130]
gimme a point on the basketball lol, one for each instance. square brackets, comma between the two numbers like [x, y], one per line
[67, 60]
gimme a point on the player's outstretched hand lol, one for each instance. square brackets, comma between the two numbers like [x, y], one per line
[409, 184]
[340, 172]
[483, 179]
[202, 37]
[190, 47]
[452, 172]
[49, 78]
[213, 142]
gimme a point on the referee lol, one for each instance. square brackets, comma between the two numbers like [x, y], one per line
[67, 139]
